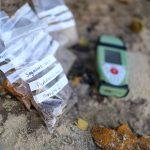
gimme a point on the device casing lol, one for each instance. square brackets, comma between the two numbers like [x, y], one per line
[114, 44]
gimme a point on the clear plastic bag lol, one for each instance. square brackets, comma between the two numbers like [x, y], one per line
[33, 75]
[2, 46]
[3, 19]
[11, 36]
[41, 6]
[42, 83]
[22, 23]
[60, 19]
[23, 17]
[21, 55]
[52, 93]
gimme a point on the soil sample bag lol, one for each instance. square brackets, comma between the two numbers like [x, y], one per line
[51, 91]
[11, 5]
[23, 17]
[60, 19]
[40, 82]
[19, 56]
[3, 19]
[15, 34]
[23, 22]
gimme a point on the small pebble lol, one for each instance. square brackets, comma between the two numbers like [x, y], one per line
[8, 96]
[126, 2]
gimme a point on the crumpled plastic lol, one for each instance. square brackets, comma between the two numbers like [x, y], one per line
[60, 20]
[30, 71]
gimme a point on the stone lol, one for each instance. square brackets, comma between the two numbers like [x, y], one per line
[82, 89]
[139, 76]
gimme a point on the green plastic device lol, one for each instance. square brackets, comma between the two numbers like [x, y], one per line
[112, 65]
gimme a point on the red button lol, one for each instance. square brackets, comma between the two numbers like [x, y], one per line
[114, 71]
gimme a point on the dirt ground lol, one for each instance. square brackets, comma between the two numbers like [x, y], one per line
[24, 130]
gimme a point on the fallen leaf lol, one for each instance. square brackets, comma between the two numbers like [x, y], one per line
[103, 137]
[83, 42]
[136, 25]
[82, 124]
[120, 139]
[76, 81]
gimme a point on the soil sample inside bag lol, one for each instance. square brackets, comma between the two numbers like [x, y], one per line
[52, 93]
[18, 57]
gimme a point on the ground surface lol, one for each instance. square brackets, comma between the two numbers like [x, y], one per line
[24, 130]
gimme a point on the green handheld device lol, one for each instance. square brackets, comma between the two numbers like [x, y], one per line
[112, 66]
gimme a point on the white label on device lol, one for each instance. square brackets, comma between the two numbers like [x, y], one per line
[56, 88]
[47, 78]
[115, 79]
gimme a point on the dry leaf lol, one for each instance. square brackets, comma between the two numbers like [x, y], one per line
[82, 124]
[83, 42]
[120, 139]
[136, 25]
[76, 81]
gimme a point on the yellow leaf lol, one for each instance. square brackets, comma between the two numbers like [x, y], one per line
[76, 81]
[82, 124]
[83, 42]
[136, 25]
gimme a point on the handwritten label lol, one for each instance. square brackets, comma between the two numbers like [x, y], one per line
[60, 26]
[56, 88]
[55, 11]
[65, 16]
[38, 67]
[47, 78]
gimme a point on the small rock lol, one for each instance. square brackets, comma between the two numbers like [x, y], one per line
[63, 130]
[1, 130]
[8, 96]
[83, 89]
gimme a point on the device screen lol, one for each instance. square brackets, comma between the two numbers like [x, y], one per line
[113, 57]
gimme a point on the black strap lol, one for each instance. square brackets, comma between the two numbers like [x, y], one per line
[108, 84]
[113, 46]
